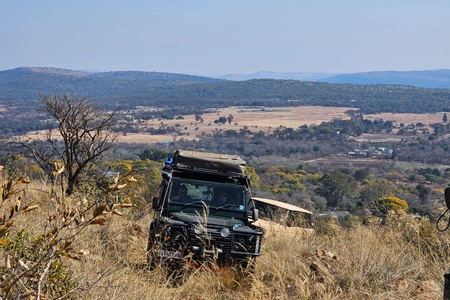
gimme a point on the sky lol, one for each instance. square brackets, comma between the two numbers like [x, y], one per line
[218, 37]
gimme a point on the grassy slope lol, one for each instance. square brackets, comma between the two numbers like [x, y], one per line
[401, 260]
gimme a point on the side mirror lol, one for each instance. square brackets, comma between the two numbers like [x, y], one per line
[155, 203]
[447, 197]
[255, 214]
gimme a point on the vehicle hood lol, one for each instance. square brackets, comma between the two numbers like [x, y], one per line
[218, 221]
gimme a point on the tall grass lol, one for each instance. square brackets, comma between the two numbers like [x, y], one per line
[404, 258]
[378, 262]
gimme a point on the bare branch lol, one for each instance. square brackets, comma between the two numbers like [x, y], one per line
[84, 135]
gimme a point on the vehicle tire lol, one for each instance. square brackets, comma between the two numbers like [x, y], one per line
[151, 249]
[175, 272]
[247, 265]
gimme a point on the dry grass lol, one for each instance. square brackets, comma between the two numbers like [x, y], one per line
[405, 259]
[364, 262]
[266, 120]
[408, 118]
[255, 119]
[259, 119]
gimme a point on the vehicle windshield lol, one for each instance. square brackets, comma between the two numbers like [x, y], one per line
[214, 195]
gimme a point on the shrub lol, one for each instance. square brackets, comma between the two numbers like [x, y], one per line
[392, 203]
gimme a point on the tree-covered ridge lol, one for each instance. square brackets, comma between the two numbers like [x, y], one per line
[166, 90]
[25, 83]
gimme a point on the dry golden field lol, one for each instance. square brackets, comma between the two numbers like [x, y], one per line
[266, 120]
[260, 119]
[255, 119]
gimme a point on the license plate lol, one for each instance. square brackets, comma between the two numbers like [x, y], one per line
[169, 254]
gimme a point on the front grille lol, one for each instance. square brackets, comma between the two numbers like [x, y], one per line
[211, 239]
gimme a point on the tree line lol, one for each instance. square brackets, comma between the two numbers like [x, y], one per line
[183, 94]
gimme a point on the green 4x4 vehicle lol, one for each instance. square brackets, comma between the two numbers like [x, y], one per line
[204, 212]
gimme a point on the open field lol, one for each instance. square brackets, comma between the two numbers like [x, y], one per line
[255, 119]
[261, 119]
[267, 119]
[408, 118]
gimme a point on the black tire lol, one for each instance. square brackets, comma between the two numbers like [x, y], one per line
[175, 272]
[151, 249]
[247, 265]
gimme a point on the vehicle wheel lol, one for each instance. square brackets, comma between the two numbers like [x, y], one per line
[152, 258]
[247, 265]
[175, 272]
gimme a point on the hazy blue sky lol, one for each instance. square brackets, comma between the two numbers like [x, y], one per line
[215, 37]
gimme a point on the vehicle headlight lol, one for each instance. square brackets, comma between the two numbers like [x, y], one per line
[225, 232]
[198, 229]
[240, 243]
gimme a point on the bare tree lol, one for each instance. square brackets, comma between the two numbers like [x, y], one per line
[80, 135]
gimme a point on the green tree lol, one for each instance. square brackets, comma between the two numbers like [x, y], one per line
[153, 154]
[374, 189]
[254, 177]
[221, 120]
[336, 186]
[424, 192]
[361, 174]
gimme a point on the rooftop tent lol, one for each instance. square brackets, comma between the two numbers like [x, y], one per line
[210, 161]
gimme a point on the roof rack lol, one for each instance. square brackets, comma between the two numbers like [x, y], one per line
[196, 160]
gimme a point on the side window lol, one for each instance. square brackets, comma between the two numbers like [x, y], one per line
[181, 193]
[173, 190]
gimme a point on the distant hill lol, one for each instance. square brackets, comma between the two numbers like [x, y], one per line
[426, 79]
[187, 93]
[277, 75]
[27, 82]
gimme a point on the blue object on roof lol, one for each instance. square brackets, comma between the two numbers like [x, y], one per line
[169, 161]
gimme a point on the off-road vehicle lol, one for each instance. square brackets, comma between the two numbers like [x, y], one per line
[204, 212]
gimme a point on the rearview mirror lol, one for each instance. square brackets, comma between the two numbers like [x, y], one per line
[255, 214]
[447, 197]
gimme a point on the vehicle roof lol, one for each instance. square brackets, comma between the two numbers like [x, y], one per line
[208, 161]
[282, 205]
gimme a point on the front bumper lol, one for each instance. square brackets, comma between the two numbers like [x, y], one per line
[210, 245]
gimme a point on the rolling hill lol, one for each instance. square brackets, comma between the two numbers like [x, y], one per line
[177, 92]
[426, 79]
